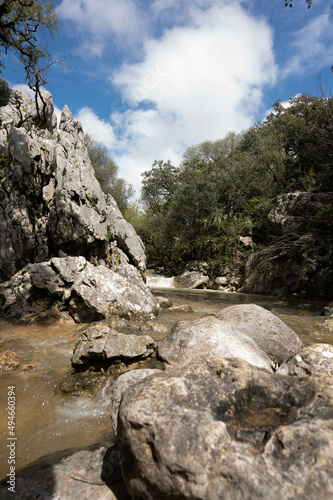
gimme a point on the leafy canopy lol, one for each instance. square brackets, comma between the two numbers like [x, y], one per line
[225, 189]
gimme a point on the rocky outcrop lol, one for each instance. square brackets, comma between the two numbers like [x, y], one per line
[71, 287]
[50, 201]
[226, 429]
[301, 259]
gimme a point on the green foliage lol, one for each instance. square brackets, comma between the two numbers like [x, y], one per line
[22, 26]
[225, 189]
[5, 92]
[106, 171]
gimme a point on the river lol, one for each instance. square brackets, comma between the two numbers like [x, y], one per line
[47, 421]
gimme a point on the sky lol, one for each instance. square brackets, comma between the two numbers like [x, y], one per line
[150, 78]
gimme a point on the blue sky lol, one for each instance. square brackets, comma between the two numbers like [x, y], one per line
[149, 78]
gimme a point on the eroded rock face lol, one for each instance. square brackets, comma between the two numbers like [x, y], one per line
[301, 260]
[270, 333]
[73, 287]
[226, 429]
[51, 204]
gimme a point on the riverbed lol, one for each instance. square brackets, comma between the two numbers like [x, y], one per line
[47, 421]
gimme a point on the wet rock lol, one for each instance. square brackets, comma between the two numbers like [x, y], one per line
[122, 383]
[221, 280]
[270, 333]
[209, 337]
[314, 359]
[82, 384]
[226, 429]
[164, 302]
[99, 343]
[154, 326]
[184, 308]
[73, 286]
[92, 473]
[329, 309]
[328, 325]
[191, 279]
[9, 361]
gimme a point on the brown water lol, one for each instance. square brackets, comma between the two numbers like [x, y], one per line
[49, 421]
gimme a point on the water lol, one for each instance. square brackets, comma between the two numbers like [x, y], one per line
[49, 421]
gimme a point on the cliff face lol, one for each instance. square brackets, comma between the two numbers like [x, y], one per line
[301, 260]
[51, 204]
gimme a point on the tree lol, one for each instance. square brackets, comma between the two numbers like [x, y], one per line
[106, 171]
[5, 92]
[22, 24]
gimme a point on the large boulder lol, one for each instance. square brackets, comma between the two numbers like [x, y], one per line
[209, 337]
[227, 429]
[74, 288]
[51, 203]
[270, 333]
[300, 261]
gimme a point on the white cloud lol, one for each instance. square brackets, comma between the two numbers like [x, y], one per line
[201, 79]
[25, 87]
[312, 47]
[100, 20]
[99, 129]
[197, 82]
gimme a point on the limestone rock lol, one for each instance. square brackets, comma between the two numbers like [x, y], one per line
[154, 326]
[300, 262]
[51, 203]
[191, 279]
[74, 287]
[314, 359]
[100, 343]
[226, 429]
[270, 333]
[209, 337]
[164, 302]
[183, 308]
[123, 382]
[9, 361]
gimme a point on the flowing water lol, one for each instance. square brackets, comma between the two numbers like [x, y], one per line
[48, 421]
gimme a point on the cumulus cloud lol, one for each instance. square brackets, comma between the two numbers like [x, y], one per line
[100, 130]
[196, 82]
[100, 20]
[199, 78]
[312, 47]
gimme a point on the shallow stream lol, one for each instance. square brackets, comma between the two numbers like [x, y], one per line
[47, 421]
